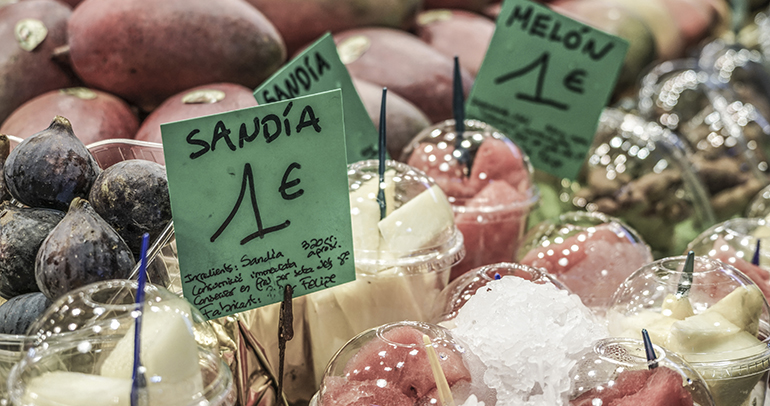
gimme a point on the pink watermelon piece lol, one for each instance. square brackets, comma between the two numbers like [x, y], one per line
[405, 367]
[725, 253]
[592, 263]
[663, 388]
[495, 160]
[491, 237]
[627, 383]
[499, 160]
[443, 168]
[658, 387]
[363, 393]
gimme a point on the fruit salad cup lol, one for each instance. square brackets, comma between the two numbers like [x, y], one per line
[488, 181]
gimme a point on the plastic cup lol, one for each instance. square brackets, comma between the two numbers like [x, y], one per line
[488, 181]
[719, 325]
[80, 339]
[392, 284]
[602, 371]
[734, 242]
[590, 252]
[390, 363]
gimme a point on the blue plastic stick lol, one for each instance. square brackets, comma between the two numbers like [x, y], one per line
[649, 350]
[380, 191]
[138, 381]
[755, 259]
[458, 110]
[686, 280]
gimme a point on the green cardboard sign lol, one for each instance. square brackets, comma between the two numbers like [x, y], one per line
[318, 69]
[260, 200]
[544, 82]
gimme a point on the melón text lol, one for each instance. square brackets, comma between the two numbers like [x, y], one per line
[272, 127]
[542, 25]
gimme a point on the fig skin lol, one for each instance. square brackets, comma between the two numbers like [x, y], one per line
[80, 250]
[145, 51]
[17, 314]
[50, 168]
[22, 231]
[26, 74]
[5, 149]
[95, 115]
[132, 196]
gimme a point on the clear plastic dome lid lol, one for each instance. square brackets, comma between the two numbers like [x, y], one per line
[417, 232]
[81, 351]
[726, 131]
[734, 242]
[639, 172]
[483, 171]
[615, 371]
[460, 290]
[717, 320]
[759, 206]
[402, 363]
[590, 252]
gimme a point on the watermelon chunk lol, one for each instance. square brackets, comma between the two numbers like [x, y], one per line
[722, 251]
[393, 371]
[592, 263]
[494, 236]
[658, 387]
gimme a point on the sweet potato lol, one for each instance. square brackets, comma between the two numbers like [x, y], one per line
[302, 21]
[404, 120]
[95, 115]
[457, 32]
[148, 50]
[199, 101]
[25, 74]
[404, 64]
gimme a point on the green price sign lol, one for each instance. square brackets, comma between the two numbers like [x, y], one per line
[319, 69]
[544, 82]
[260, 200]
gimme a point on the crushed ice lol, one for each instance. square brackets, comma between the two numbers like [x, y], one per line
[528, 336]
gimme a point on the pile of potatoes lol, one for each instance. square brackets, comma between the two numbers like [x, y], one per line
[119, 68]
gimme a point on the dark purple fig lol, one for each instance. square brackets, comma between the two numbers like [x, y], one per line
[17, 314]
[80, 250]
[50, 168]
[22, 231]
[132, 196]
[5, 149]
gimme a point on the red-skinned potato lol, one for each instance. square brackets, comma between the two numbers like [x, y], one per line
[95, 115]
[26, 73]
[404, 64]
[457, 32]
[199, 101]
[404, 120]
[145, 51]
[301, 22]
